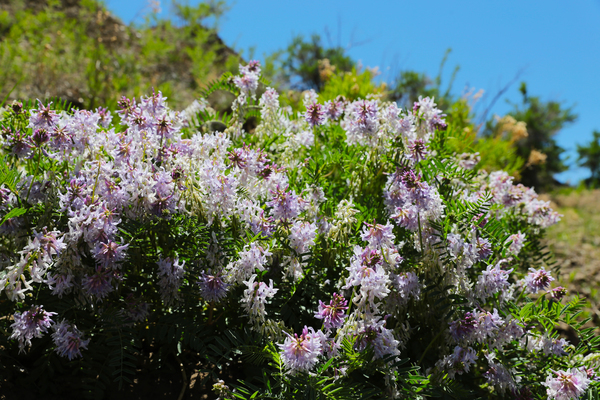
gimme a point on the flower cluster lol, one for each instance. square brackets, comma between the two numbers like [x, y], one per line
[351, 216]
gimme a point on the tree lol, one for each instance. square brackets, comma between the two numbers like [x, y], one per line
[299, 63]
[544, 120]
[589, 157]
[409, 85]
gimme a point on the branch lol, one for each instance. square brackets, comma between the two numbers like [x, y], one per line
[498, 95]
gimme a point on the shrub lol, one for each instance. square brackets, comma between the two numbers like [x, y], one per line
[345, 252]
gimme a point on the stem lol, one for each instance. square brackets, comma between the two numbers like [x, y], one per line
[97, 178]
[420, 232]
[37, 168]
[429, 346]
[184, 376]
[210, 312]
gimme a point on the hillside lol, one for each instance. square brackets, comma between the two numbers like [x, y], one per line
[575, 242]
[80, 52]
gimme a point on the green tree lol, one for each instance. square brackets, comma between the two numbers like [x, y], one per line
[409, 85]
[298, 65]
[544, 120]
[589, 157]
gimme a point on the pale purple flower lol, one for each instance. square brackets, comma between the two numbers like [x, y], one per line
[333, 314]
[98, 284]
[40, 137]
[477, 325]
[19, 144]
[462, 359]
[155, 105]
[334, 109]
[171, 273]
[540, 213]
[463, 328]
[500, 377]
[29, 324]
[407, 217]
[301, 353]
[47, 243]
[410, 200]
[212, 286]
[508, 332]
[517, 241]
[43, 117]
[269, 103]
[109, 254]
[378, 235]
[255, 298]
[483, 248]
[459, 361]
[468, 160]
[305, 138]
[309, 97]
[315, 115]
[68, 340]
[558, 293]
[247, 83]
[302, 236]
[407, 284]
[105, 117]
[493, 280]
[253, 67]
[567, 385]
[431, 116]
[367, 272]
[361, 122]
[136, 309]
[553, 346]
[380, 338]
[488, 324]
[60, 283]
[417, 150]
[285, 204]
[222, 390]
[537, 280]
[253, 257]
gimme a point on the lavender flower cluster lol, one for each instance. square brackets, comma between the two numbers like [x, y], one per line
[154, 167]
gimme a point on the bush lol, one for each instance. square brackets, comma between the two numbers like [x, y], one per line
[345, 252]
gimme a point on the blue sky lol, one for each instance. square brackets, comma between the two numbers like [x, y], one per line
[555, 45]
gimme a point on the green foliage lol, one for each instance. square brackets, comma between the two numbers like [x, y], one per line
[544, 120]
[300, 65]
[85, 55]
[409, 85]
[589, 157]
[352, 85]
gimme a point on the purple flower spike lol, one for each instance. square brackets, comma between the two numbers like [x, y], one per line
[68, 340]
[333, 314]
[301, 353]
[29, 324]
[315, 115]
[464, 327]
[212, 286]
[537, 280]
[569, 384]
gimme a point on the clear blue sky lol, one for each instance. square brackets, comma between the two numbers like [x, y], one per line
[556, 44]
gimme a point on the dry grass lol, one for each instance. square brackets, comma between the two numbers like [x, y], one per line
[575, 242]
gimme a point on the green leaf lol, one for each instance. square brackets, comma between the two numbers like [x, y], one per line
[15, 212]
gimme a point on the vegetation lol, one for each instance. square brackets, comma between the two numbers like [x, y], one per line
[314, 241]
[77, 51]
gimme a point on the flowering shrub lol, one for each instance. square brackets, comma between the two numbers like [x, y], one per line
[345, 251]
